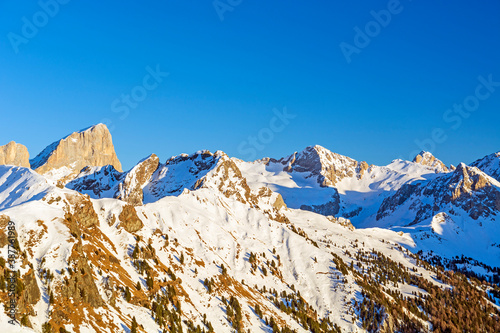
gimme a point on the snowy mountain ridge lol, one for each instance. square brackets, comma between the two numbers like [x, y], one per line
[312, 242]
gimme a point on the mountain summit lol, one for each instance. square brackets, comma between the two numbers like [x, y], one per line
[328, 167]
[490, 164]
[64, 158]
[427, 159]
[14, 154]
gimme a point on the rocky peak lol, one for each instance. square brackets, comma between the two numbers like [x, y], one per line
[328, 167]
[466, 187]
[131, 188]
[107, 182]
[467, 179]
[490, 165]
[429, 160]
[180, 172]
[63, 159]
[14, 154]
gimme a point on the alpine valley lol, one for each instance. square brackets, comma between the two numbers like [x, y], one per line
[204, 242]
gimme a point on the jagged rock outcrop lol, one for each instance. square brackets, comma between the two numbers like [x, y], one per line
[342, 221]
[279, 202]
[4, 221]
[427, 159]
[97, 182]
[329, 168]
[14, 154]
[467, 188]
[130, 190]
[30, 294]
[83, 210]
[229, 181]
[180, 172]
[80, 286]
[331, 207]
[63, 159]
[490, 165]
[129, 219]
[202, 169]
[107, 182]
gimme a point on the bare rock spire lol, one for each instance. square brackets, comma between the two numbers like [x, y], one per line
[63, 159]
[14, 154]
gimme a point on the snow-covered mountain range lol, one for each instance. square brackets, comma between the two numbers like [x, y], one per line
[314, 241]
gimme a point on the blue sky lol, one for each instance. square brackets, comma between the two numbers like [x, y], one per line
[228, 78]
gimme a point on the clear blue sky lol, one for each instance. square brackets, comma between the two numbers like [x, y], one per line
[226, 76]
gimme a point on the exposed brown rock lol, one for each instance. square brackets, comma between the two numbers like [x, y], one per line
[14, 154]
[232, 183]
[266, 194]
[328, 167]
[466, 187]
[129, 219]
[80, 285]
[490, 165]
[131, 188]
[4, 220]
[427, 159]
[31, 293]
[279, 203]
[90, 147]
[342, 221]
[84, 213]
[361, 169]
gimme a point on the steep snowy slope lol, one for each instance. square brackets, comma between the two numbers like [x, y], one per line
[490, 165]
[19, 185]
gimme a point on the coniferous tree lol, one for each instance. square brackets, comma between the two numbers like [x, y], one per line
[133, 328]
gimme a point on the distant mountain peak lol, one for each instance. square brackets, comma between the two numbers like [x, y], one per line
[63, 159]
[328, 167]
[490, 164]
[467, 188]
[14, 154]
[426, 158]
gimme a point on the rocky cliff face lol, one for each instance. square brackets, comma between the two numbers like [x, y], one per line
[14, 154]
[466, 188]
[107, 182]
[178, 173]
[131, 188]
[63, 159]
[427, 159]
[202, 169]
[490, 165]
[329, 208]
[329, 168]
